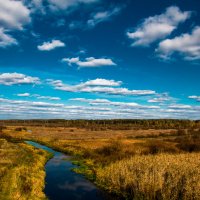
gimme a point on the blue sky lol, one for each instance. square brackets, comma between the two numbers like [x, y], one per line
[98, 59]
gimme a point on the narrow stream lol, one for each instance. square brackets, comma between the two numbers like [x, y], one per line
[64, 184]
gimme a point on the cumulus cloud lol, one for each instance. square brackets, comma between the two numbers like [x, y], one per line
[48, 46]
[23, 95]
[102, 82]
[187, 45]
[157, 27]
[99, 86]
[197, 98]
[6, 39]
[13, 14]
[16, 78]
[90, 62]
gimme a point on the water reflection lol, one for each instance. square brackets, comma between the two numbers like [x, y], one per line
[64, 184]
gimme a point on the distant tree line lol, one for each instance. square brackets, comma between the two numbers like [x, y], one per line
[114, 124]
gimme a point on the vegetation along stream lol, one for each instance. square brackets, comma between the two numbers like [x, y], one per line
[62, 183]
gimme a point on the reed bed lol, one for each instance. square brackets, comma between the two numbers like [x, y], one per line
[151, 177]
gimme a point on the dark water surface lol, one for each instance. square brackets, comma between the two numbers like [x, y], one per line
[64, 184]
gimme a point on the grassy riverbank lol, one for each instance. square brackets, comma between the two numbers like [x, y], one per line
[134, 164]
[21, 171]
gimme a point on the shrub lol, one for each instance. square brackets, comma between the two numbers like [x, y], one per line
[156, 146]
[2, 128]
[21, 129]
[111, 149]
[189, 145]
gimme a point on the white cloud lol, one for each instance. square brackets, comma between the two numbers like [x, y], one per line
[102, 16]
[56, 5]
[157, 27]
[46, 97]
[95, 82]
[103, 109]
[6, 39]
[90, 62]
[48, 46]
[98, 102]
[197, 98]
[16, 78]
[39, 96]
[33, 109]
[23, 95]
[13, 14]
[99, 86]
[96, 17]
[49, 98]
[117, 91]
[180, 106]
[159, 100]
[91, 101]
[187, 45]
[31, 103]
[102, 82]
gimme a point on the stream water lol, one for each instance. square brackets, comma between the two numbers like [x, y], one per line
[64, 184]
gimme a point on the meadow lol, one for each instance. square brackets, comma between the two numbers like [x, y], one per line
[138, 161]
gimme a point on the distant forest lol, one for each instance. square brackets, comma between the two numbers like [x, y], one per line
[115, 124]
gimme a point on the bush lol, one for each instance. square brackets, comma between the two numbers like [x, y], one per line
[21, 129]
[181, 132]
[105, 155]
[155, 146]
[112, 149]
[190, 142]
[2, 128]
[189, 145]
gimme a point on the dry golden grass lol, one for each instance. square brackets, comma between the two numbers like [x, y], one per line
[78, 133]
[162, 176]
[151, 166]
[21, 171]
[74, 138]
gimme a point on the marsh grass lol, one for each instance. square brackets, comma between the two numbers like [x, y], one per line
[21, 171]
[150, 177]
[157, 165]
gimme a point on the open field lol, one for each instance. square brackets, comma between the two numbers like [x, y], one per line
[134, 163]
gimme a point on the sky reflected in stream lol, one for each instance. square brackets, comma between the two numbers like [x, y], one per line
[64, 184]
